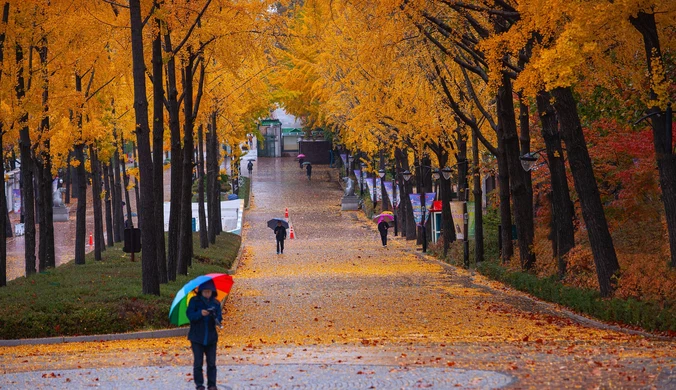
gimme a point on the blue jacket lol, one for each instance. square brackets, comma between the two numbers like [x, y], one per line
[203, 328]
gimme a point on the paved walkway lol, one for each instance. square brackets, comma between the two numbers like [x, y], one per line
[337, 310]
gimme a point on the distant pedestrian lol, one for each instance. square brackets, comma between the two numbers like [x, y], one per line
[300, 162]
[250, 141]
[280, 235]
[249, 166]
[308, 168]
[383, 226]
[204, 313]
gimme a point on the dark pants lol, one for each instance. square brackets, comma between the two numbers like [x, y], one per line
[383, 238]
[198, 351]
[280, 246]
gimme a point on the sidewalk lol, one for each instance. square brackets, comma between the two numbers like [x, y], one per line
[338, 302]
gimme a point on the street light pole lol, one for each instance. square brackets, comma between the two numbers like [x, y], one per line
[395, 205]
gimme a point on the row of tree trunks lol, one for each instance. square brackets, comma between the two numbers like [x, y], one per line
[600, 240]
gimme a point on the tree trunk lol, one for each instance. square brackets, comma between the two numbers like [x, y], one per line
[563, 231]
[385, 204]
[411, 228]
[523, 205]
[507, 249]
[600, 240]
[664, 152]
[158, 149]
[27, 171]
[151, 282]
[176, 162]
[67, 179]
[478, 207]
[108, 204]
[44, 169]
[81, 214]
[212, 172]
[129, 221]
[185, 236]
[445, 188]
[204, 236]
[401, 209]
[137, 186]
[96, 203]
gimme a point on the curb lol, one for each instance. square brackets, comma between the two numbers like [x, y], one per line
[152, 334]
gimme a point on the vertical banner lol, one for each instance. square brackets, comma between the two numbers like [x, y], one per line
[429, 202]
[16, 200]
[357, 173]
[471, 223]
[417, 208]
[343, 157]
[374, 193]
[459, 221]
[390, 195]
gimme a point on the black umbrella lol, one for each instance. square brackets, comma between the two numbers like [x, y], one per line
[273, 223]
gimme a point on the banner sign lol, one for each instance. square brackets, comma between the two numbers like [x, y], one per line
[357, 173]
[16, 200]
[390, 194]
[374, 192]
[343, 157]
[429, 201]
[417, 209]
[459, 219]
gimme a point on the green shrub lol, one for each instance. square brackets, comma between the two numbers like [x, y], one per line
[244, 190]
[648, 315]
[99, 297]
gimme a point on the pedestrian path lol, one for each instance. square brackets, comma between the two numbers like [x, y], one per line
[337, 302]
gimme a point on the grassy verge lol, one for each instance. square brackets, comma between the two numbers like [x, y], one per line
[244, 190]
[647, 315]
[100, 297]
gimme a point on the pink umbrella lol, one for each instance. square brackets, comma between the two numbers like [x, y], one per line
[301, 155]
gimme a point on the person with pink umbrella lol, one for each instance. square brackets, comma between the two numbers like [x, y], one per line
[383, 227]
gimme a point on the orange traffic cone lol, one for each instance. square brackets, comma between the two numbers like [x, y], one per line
[286, 213]
[91, 240]
[292, 235]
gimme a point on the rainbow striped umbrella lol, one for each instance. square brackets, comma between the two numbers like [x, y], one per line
[223, 283]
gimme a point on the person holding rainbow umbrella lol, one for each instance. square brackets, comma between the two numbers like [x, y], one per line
[198, 303]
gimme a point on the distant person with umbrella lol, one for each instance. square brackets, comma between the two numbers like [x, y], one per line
[279, 226]
[301, 159]
[308, 168]
[383, 226]
[204, 313]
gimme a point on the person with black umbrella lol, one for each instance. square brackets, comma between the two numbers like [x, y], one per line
[280, 235]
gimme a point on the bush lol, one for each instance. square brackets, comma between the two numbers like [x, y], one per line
[648, 315]
[99, 297]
